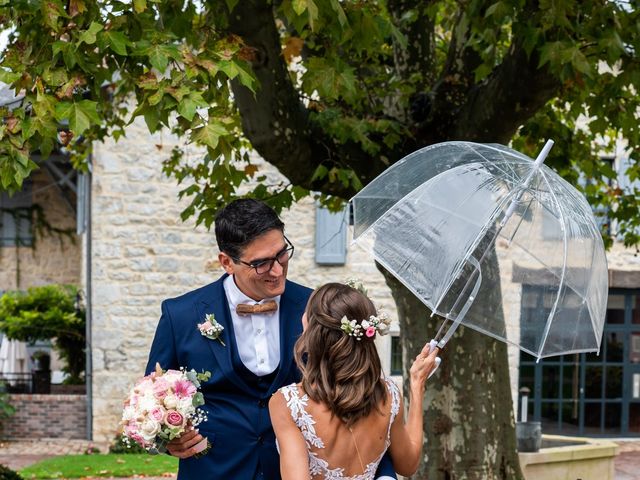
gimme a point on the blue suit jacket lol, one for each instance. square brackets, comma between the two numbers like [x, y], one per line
[238, 424]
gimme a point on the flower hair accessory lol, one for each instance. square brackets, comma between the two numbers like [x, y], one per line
[367, 328]
[357, 284]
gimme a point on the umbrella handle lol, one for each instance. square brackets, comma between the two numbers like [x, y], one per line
[465, 308]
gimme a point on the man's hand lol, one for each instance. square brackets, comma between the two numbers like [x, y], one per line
[187, 445]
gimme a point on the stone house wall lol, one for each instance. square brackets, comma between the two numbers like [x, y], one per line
[52, 261]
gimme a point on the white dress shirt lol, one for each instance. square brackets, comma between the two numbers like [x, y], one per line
[257, 334]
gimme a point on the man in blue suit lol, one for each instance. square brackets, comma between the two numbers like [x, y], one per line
[260, 313]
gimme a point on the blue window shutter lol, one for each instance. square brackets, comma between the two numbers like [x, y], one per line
[331, 237]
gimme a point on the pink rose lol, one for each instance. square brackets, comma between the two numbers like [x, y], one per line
[157, 414]
[130, 429]
[370, 332]
[175, 419]
[205, 326]
[160, 388]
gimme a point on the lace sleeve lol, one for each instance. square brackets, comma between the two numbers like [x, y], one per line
[395, 398]
[302, 419]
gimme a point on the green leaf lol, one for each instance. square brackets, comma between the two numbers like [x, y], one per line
[320, 173]
[81, 115]
[580, 62]
[158, 58]
[89, 35]
[342, 17]
[210, 133]
[188, 105]
[139, 5]
[52, 10]
[152, 119]
[117, 41]
[299, 6]
[8, 77]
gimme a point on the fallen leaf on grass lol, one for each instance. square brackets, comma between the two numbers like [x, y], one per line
[120, 460]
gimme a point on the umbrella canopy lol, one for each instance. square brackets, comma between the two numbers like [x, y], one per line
[445, 214]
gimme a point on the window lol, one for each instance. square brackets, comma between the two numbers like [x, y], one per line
[396, 356]
[15, 218]
[589, 394]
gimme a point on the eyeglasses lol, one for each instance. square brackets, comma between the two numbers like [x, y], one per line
[263, 266]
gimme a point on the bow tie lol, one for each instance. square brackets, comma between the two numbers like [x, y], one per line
[246, 308]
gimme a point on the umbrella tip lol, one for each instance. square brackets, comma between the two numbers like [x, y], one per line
[543, 154]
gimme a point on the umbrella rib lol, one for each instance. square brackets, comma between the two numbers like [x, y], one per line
[564, 267]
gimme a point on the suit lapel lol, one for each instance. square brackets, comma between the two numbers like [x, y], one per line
[215, 302]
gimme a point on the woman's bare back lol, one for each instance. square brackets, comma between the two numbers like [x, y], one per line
[335, 451]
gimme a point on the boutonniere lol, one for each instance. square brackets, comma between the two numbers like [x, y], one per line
[211, 328]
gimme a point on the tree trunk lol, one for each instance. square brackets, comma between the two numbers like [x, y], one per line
[469, 424]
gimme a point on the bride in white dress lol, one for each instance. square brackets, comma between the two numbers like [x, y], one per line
[339, 421]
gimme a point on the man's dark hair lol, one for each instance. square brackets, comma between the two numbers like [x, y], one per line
[241, 222]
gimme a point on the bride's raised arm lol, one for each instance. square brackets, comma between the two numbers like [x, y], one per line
[294, 457]
[407, 439]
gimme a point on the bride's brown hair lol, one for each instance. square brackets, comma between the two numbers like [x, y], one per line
[339, 370]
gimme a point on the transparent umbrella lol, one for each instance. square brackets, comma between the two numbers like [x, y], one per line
[443, 215]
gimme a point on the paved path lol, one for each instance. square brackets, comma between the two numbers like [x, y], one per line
[628, 460]
[17, 455]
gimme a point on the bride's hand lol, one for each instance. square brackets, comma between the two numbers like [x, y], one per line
[424, 364]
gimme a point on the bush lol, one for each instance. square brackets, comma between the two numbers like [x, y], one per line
[44, 313]
[7, 474]
[119, 446]
[6, 409]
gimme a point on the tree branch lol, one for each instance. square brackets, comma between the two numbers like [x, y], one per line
[276, 121]
[510, 96]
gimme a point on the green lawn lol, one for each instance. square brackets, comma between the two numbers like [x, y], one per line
[111, 465]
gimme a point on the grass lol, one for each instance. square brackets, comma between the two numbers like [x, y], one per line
[110, 465]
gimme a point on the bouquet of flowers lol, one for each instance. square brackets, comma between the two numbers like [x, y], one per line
[161, 407]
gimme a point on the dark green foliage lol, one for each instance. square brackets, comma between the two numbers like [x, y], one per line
[7, 474]
[119, 446]
[48, 312]
[6, 409]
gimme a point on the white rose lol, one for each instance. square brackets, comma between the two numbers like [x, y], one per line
[185, 405]
[365, 324]
[147, 403]
[129, 413]
[149, 429]
[170, 402]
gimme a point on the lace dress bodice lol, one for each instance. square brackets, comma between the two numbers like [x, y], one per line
[305, 422]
